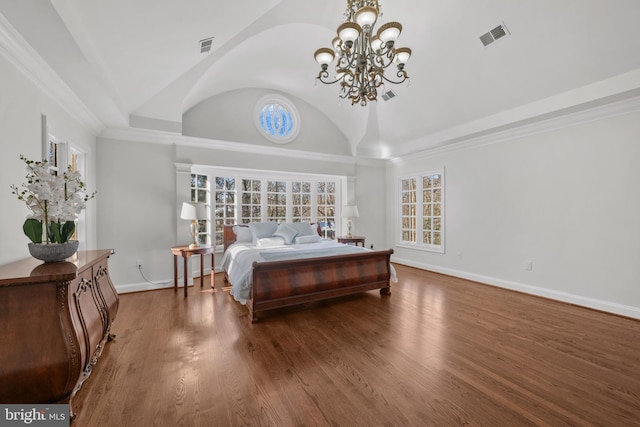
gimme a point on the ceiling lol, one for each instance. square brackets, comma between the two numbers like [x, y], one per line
[141, 58]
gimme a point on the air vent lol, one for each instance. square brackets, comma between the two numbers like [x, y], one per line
[388, 95]
[205, 45]
[497, 33]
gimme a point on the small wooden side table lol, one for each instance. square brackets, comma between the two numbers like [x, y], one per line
[185, 252]
[357, 240]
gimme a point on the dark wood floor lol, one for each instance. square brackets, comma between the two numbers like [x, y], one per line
[439, 351]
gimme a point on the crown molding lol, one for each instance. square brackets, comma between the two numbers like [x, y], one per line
[21, 55]
[523, 129]
[150, 136]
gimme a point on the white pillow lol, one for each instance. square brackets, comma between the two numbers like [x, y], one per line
[266, 242]
[307, 239]
[286, 232]
[243, 234]
[303, 228]
[260, 230]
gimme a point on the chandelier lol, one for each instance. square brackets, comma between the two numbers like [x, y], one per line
[363, 56]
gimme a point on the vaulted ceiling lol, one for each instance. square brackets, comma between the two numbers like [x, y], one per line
[141, 58]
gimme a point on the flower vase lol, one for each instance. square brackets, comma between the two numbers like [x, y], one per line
[53, 252]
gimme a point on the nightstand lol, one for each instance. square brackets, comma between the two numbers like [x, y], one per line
[356, 240]
[185, 252]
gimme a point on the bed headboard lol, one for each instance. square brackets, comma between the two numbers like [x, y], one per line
[229, 236]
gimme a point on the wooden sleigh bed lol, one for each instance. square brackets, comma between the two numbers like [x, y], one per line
[276, 284]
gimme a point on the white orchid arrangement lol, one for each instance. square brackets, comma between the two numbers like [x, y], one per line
[54, 200]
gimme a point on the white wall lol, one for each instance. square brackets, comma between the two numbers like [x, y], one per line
[140, 199]
[566, 199]
[137, 209]
[230, 117]
[21, 105]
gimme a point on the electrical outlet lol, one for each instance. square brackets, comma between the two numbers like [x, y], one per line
[528, 265]
[139, 264]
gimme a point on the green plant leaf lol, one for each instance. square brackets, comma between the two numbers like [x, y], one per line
[33, 230]
[54, 228]
[67, 231]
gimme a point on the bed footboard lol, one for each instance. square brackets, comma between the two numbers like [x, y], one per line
[278, 284]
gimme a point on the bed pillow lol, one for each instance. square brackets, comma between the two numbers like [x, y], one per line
[260, 230]
[243, 234]
[303, 228]
[307, 239]
[266, 242]
[286, 232]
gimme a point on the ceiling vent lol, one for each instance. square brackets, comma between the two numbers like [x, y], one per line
[388, 95]
[497, 33]
[205, 45]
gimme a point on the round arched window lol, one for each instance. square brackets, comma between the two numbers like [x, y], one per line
[277, 119]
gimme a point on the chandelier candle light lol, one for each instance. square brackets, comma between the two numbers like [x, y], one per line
[362, 56]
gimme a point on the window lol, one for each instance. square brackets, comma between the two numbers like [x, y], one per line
[200, 194]
[326, 210]
[301, 201]
[422, 211]
[277, 119]
[276, 201]
[225, 205]
[243, 196]
[409, 197]
[251, 200]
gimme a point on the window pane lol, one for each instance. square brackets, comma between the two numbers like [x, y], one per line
[427, 197]
[437, 181]
[437, 195]
[427, 210]
[437, 238]
[426, 182]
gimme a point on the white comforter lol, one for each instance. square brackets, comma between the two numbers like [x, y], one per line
[239, 258]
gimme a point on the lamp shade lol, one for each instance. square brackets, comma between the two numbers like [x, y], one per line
[389, 32]
[324, 56]
[366, 16]
[350, 211]
[402, 55]
[349, 31]
[188, 211]
[201, 211]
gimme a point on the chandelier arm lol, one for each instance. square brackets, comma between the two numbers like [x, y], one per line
[402, 75]
[323, 75]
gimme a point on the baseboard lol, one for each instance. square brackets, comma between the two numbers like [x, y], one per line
[159, 284]
[606, 306]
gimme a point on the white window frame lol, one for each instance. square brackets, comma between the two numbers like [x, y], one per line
[265, 176]
[419, 244]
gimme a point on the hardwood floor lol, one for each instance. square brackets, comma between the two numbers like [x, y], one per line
[439, 351]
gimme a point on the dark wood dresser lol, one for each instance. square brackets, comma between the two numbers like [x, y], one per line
[54, 321]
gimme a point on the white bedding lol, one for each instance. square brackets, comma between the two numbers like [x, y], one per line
[239, 258]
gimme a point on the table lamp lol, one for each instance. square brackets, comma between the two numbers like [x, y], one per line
[350, 211]
[189, 213]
